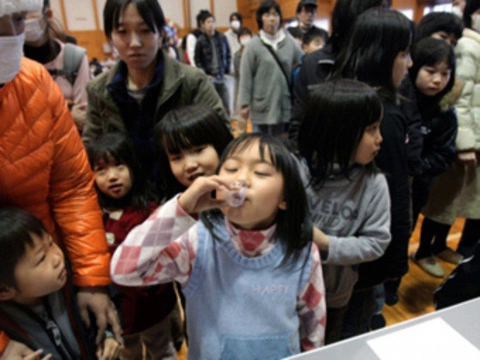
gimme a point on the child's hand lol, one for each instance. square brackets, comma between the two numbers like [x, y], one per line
[18, 351]
[198, 196]
[111, 350]
[37, 356]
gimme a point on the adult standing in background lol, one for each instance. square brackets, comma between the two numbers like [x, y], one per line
[68, 64]
[212, 55]
[236, 22]
[145, 83]
[44, 170]
[306, 11]
[190, 41]
[264, 92]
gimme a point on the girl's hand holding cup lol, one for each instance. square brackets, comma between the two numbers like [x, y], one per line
[198, 196]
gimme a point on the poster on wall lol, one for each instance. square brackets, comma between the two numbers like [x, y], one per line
[79, 15]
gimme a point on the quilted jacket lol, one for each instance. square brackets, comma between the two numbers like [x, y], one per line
[468, 106]
[44, 170]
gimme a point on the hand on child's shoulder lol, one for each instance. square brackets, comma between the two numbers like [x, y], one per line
[111, 350]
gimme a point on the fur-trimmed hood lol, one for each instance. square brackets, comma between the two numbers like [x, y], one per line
[449, 100]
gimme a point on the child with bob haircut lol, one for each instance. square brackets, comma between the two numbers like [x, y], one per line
[339, 139]
[433, 76]
[249, 271]
[37, 303]
[127, 199]
[189, 141]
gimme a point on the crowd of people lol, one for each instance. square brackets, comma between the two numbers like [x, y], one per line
[132, 220]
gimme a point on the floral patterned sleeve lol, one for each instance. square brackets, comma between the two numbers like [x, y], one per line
[159, 250]
[311, 307]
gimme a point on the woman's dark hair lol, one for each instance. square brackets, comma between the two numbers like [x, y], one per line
[149, 10]
[185, 128]
[113, 148]
[236, 14]
[16, 229]
[265, 7]
[293, 225]
[343, 17]
[439, 21]
[430, 52]
[377, 37]
[470, 7]
[336, 115]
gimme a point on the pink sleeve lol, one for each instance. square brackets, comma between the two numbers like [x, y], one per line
[311, 307]
[160, 250]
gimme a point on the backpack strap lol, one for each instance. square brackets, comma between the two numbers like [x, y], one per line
[72, 59]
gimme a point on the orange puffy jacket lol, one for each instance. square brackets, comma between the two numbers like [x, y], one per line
[44, 170]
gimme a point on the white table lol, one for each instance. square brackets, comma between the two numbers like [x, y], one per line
[464, 318]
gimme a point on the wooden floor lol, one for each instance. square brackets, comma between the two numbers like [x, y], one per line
[417, 287]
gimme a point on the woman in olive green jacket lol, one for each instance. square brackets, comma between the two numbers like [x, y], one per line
[144, 84]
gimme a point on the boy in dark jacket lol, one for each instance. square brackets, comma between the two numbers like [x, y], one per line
[37, 305]
[212, 54]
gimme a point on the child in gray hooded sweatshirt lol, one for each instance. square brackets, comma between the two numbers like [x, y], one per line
[339, 139]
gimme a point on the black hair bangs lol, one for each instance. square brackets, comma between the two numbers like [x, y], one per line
[149, 10]
[16, 229]
[243, 142]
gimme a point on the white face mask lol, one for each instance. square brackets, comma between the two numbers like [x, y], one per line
[235, 24]
[457, 11]
[11, 52]
[476, 23]
[34, 29]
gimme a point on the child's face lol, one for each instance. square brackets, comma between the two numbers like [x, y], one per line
[189, 164]
[113, 178]
[264, 193]
[315, 44]
[402, 63]
[432, 79]
[41, 271]
[245, 39]
[369, 145]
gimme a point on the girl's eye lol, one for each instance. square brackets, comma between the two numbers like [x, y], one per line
[199, 149]
[230, 169]
[42, 259]
[174, 158]
[261, 173]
